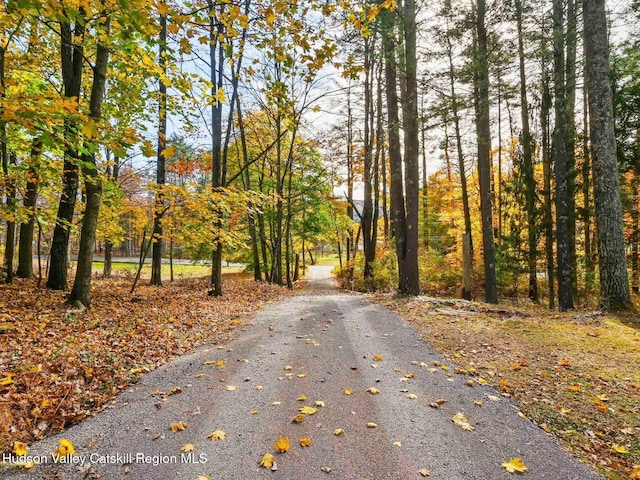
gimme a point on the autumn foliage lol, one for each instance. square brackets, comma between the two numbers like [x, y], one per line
[59, 365]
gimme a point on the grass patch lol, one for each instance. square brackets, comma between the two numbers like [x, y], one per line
[180, 271]
[575, 375]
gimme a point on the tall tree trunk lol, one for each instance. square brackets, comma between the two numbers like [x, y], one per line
[527, 163]
[398, 217]
[350, 174]
[113, 174]
[565, 289]
[81, 291]
[367, 210]
[589, 267]
[72, 60]
[25, 250]
[411, 127]
[614, 279]
[570, 91]
[158, 241]
[216, 59]
[467, 242]
[10, 244]
[548, 207]
[484, 161]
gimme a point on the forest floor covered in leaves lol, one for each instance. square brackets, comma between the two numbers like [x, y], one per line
[575, 375]
[59, 365]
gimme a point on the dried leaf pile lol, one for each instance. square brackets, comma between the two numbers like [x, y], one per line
[574, 374]
[59, 365]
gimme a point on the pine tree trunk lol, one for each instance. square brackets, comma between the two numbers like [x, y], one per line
[565, 288]
[570, 89]
[548, 206]
[614, 279]
[484, 163]
[527, 163]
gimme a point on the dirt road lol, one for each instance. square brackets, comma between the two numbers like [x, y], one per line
[316, 345]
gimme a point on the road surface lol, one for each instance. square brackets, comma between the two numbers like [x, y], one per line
[316, 345]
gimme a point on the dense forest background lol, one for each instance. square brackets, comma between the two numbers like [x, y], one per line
[482, 150]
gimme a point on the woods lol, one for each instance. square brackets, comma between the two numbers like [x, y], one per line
[416, 142]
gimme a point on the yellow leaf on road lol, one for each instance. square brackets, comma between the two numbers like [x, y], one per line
[319, 403]
[338, 431]
[348, 391]
[282, 445]
[178, 426]
[267, 461]
[308, 410]
[217, 435]
[298, 418]
[302, 398]
[65, 448]
[462, 421]
[230, 388]
[425, 473]
[515, 465]
[411, 396]
[20, 448]
[372, 425]
[377, 358]
[187, 447]
[372, 390]
[305, 441]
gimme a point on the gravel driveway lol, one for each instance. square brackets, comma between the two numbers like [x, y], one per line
[317, 345]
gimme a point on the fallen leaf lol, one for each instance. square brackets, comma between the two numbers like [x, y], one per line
[217, 435]
[20, 448]
[619, 448]
[65, 448]
[462, 421]
[267, 461]
[635, 473]
[301, 375]
[302, 398]
[8, 380]
[258, 387]
[200, 375]
[372, 425]
[298, 418]
[515, 465]
[288, 368]
[282, 445]
[305, 441]
[187, 447]
[348, 391]
[411, 396]
[397, 444]
[338, 431]
[425, 473]
[493, 398]
[253, 412]
[372, 390]
[410, 375]
[481, 381]
[230, 388]
[478, 403]
[307, 410]
[325, 469]
[178, 426]
[470, 383]
[29, 464]
[319, 403]
[377, 358]
[575, 388]
[203, 477]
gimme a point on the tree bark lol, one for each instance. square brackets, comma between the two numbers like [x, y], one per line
[158, 241]
[72, 59]
[25, 244]
[548, 206]
[614, 279]
[565, 288]
[527, 163]
[81, 291]
[484, 161]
